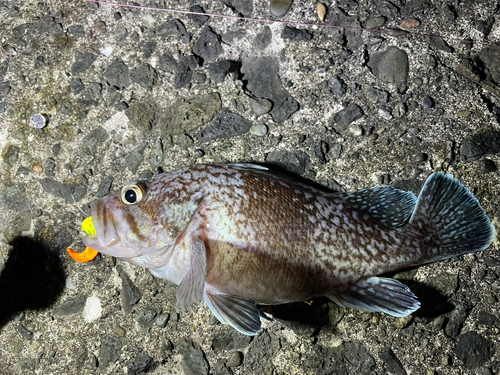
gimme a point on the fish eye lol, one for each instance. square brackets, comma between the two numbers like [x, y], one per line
[133, 192]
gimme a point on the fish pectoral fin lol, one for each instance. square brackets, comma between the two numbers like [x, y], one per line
[379, 294]
[191, 288]
[241, 314]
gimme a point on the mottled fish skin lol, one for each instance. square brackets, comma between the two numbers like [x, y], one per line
[241, 233]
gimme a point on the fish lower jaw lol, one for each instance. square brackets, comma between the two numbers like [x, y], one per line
[89, 237]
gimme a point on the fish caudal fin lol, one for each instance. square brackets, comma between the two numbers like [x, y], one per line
[451, 219]
[378, 294]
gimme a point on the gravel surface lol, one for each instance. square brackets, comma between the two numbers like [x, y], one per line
[92, 96]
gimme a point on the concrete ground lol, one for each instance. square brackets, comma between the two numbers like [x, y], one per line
[411, 87]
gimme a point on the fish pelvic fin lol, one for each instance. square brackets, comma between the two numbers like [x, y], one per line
[451, 219]
[378, 294]
[241, 314]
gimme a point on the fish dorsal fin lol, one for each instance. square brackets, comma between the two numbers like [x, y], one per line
[249, 166]
[378, 294]
[390, 206]
[241, 314]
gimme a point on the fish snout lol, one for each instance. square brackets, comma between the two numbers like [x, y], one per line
[104, 224]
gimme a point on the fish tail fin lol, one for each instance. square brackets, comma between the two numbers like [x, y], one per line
[451, 218]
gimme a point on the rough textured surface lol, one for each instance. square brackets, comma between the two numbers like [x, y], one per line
[126, 91]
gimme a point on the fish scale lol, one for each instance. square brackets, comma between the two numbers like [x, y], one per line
[237, 235]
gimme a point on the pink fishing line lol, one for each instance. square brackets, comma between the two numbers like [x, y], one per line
[3, 54]
[396, 32]
[380, 31]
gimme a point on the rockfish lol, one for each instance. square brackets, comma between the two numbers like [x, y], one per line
[238, 235]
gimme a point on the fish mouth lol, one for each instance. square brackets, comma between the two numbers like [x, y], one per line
[106, 236]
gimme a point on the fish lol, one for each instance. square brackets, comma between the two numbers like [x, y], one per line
[238, 235]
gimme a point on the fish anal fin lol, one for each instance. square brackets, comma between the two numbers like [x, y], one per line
[390, 206]
[378, 294]
[242, 314]
[191, 288]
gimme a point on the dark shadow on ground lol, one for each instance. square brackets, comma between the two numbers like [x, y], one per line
[432, 303]
[314, 315]
[33, 278]
[318, 314]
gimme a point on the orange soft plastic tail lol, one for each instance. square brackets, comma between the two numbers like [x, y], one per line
[85, 256]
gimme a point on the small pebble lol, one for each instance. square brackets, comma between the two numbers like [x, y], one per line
[384, 113]
[418, 81]
[100, 26]
[199, 152]
[375, 22]
[428, 102]
[4, 89]
[38, 169]
[279, 8]
[235, 359]
[259, 130]
[399, 110]
[117, 16]
[336, 150]
[149, 20]
[260, 106]
[92, 310]
[438, 323]
[487, 166]
[356, 130]
[167, 345]
[121, 106]
[445, 360]
[162, 320]
[50, 166]
[119, 331]
[38, 121]
[70, 284]
[321, 9]
[24, 332]
[9, 50]
[410, 23]
[375, 40]
[107, 51]
[464, 114]
[401, 323]
[366, 316]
